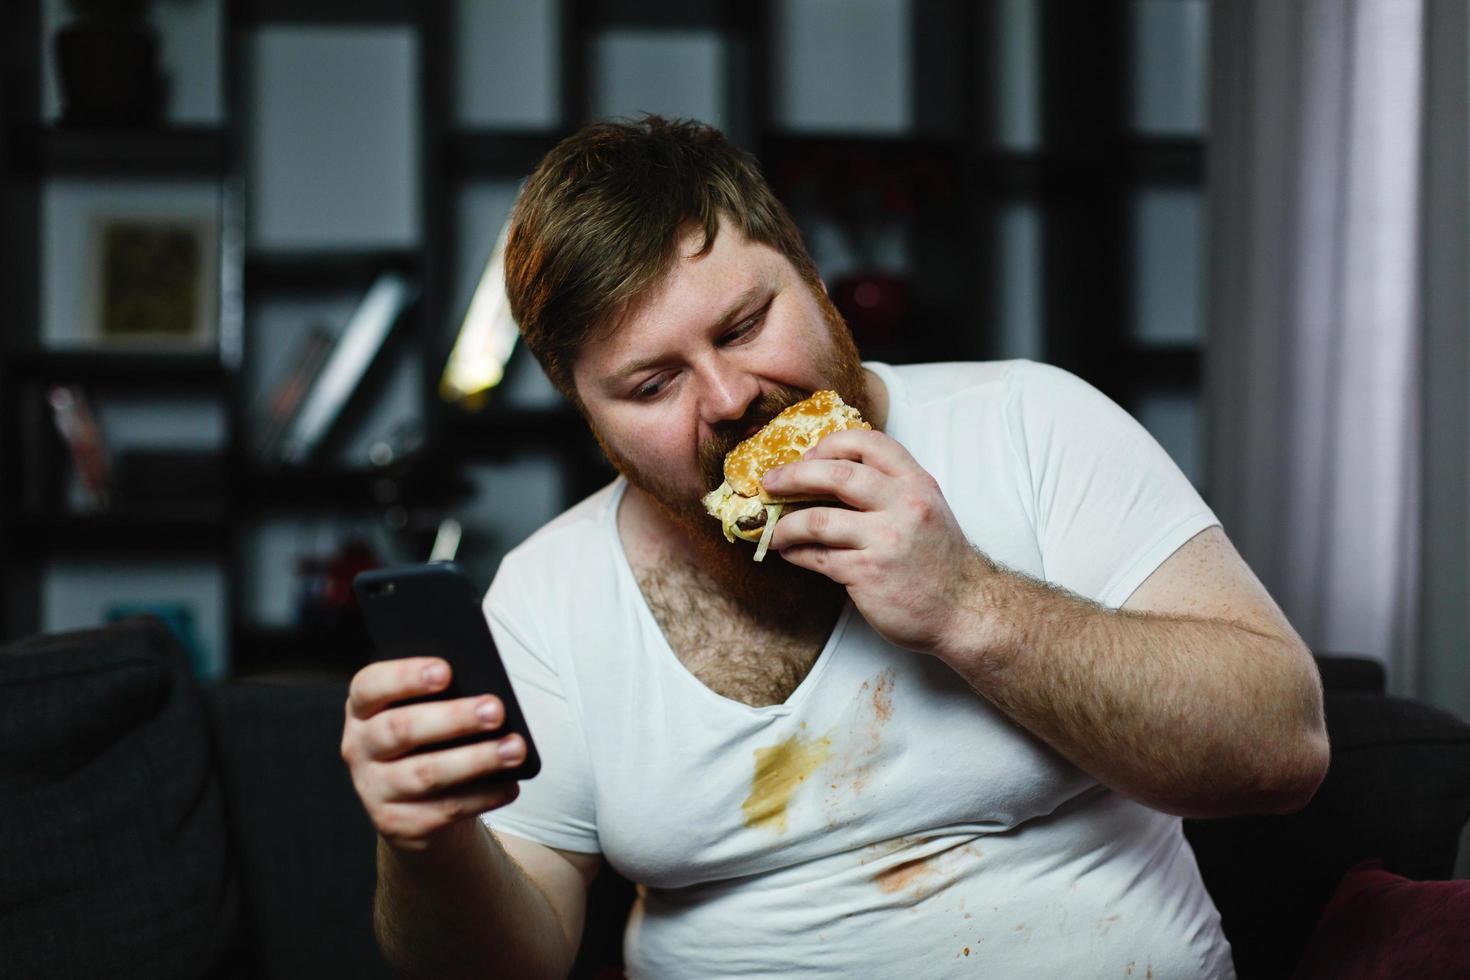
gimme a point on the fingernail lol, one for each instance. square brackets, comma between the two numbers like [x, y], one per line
[488, 713]
[436, 674]
[510, 749]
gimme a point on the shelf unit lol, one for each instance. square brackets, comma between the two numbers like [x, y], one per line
[1080, 175]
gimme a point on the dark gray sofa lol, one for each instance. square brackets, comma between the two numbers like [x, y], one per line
[152, 827]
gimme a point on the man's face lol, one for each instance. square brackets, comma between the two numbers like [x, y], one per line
[728, 340]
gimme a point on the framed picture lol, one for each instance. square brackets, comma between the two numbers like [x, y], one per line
[155, 280]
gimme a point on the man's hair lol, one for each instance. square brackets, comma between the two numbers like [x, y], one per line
[597, 226]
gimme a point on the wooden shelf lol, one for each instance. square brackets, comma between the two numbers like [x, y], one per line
[184, 151]
[718, 15]
[178, 530]
[251, 12]
[432, 483]
[1167, 160]
[116, 369]
[348, 270]
[496, 434]
[1139, 162]
[262, 490]
[489, 153]
[1172, 366]
[885, 145]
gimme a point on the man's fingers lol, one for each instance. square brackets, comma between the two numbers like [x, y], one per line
[397, 731]
[830, 527]
[419, 777]
[379, 685]
[831, 562]
[851, 482]
[410, 823]
[869, 446]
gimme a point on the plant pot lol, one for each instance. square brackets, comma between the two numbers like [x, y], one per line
[108, 70]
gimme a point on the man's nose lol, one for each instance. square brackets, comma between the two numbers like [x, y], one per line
[727, 392]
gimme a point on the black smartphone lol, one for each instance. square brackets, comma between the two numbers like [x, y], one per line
[433, 610]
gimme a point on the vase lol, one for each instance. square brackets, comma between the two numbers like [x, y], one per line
[108, 71]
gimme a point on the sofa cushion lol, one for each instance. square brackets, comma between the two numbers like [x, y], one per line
[306, 851]
[113, 849]
[1398, 789]
[1380, 925]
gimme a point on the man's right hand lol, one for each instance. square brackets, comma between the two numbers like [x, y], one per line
[410, 798]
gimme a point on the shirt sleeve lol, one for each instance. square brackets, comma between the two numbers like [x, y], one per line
[556, 808]
[1110, 505]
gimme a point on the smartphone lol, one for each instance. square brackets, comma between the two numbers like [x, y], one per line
[433, 610]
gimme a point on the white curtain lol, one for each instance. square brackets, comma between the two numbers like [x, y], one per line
[1336, 377]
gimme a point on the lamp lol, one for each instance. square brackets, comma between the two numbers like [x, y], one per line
[486, 338]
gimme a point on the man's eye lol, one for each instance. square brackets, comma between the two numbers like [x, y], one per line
[652, 387]
[743, 329]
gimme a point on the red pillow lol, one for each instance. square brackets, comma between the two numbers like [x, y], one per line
[1382, 925]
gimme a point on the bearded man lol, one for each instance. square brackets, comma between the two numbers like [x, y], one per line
[952, 728]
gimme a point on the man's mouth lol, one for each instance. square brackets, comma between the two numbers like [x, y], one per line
[712, 454]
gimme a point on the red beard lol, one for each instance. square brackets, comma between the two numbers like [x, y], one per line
[774, 588]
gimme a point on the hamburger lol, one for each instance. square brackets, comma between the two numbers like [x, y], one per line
[741, 504]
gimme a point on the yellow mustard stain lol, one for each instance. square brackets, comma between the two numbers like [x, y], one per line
[779, 772]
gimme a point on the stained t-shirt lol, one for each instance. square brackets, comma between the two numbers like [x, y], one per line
[885, 820]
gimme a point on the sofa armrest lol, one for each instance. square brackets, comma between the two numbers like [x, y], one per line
[114, 854]
[1347, 673]
[1398, 790]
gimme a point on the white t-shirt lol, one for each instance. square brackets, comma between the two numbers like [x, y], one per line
[885, 820]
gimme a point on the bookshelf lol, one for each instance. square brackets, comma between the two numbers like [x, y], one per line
[1065, 185]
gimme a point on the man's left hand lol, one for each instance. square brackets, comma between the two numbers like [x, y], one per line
[899, 551]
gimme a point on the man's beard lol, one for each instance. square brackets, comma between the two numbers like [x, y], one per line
[774, 588]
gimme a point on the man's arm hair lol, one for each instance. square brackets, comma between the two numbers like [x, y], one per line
[473, 904]
[1196, 698]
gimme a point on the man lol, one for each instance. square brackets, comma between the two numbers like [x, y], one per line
[951, 729]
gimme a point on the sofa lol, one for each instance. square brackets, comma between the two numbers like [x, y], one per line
[153, 827]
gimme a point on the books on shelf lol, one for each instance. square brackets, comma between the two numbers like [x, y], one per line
[83, 437]
[314, 394]
[284, 400]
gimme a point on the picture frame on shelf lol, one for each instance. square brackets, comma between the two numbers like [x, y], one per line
[154, 280]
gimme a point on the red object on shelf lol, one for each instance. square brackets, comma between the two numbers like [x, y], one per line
[79, 429]
[354, 557]
[874, 304]
[326, 600]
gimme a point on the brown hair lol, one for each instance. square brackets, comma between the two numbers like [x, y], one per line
[598, 223]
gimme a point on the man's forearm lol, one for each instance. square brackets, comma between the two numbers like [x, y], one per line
[1191, 716]
[466, 911]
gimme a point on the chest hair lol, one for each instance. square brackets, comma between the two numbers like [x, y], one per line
[733, 653]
